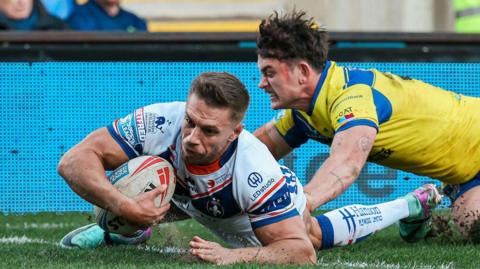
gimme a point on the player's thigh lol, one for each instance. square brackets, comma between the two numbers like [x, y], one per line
[466, 209]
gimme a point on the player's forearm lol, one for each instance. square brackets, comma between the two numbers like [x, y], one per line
[269, 136]
[85, 174]
[331, 180]
[294, 251]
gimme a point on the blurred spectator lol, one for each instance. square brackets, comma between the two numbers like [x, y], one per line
[59, 8]
[467, 16]
[105, 15]
[27, 15]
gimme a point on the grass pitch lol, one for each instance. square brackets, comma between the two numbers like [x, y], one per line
[31, 241]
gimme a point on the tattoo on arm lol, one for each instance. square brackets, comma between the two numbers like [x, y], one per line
[365, 144]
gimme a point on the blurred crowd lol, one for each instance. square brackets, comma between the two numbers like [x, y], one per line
[462, 16]
[93, 15]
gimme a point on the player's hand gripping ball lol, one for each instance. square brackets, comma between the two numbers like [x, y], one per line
[132, 178]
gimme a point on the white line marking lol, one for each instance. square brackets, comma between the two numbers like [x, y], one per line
[165, 250]
[20, 240]
[30, 225]
[23, 240]
[382, 264]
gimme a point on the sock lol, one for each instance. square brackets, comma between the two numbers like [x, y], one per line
[354, 223]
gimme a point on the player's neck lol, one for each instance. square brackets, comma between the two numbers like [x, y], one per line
[307, 93]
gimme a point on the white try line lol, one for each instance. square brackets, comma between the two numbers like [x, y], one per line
[164, 250]
[381, 264]
[20, 240]
[34, 225]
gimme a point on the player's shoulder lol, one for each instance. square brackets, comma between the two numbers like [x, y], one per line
[254, 160]
[251, 148]
[252, 154]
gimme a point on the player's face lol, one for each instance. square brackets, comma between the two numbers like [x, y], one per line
[280, 81]
[16, 9]
[206, 131]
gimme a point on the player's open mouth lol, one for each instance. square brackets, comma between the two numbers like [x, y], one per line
[273, 97]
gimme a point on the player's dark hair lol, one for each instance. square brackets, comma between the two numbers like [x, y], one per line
[222, 90]
[293, 37]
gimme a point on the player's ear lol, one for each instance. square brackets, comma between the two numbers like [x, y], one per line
[236, 132]
[304, 71]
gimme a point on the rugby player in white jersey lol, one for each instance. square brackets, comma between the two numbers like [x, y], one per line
[226, 180]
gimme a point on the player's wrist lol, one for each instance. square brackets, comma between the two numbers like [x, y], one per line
[125, 207]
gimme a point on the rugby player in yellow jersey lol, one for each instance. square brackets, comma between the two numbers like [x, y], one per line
[363, 115]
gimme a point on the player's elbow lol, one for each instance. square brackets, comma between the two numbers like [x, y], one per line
[64, 166]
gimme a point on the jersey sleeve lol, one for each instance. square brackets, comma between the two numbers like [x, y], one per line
[148, 130]
[291, 132]
[261, 189]
[354, 106]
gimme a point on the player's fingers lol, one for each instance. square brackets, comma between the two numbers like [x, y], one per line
[199, 245]
[157, 191]
[202, 252]
[198, 239]
[161, 212]
[207, 258]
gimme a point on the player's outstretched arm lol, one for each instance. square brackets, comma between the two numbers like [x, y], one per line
[348, 154]
[275, 143]
[283, 242]
[83, 168]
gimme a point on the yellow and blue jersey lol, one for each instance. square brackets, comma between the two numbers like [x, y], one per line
[421, 128]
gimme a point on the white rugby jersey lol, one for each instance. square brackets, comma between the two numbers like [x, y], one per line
[246, 188]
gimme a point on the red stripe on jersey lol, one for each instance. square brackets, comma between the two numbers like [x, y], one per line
[147, 163]
[273, 214]
[279, 183]
[200, 195]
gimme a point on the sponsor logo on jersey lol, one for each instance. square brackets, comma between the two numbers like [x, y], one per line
[346, 117]
[254, 179]
[155, 123]
[126, 129]
[260, 191]
[159, 121]
[140, 123]
[150, 124]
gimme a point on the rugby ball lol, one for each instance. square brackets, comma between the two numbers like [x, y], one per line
[139, 175]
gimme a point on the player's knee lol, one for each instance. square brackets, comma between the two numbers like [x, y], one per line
[470, 228]
[309, 254]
